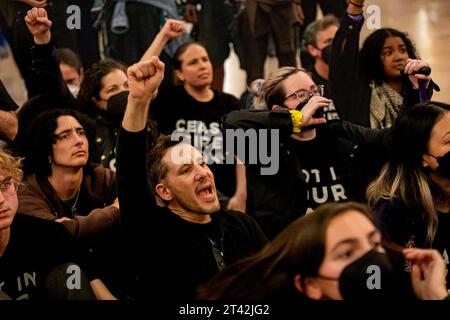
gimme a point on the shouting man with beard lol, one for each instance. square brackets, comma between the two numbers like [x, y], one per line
[187, 239]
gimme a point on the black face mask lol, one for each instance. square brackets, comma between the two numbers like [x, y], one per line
[318, 114]
[326, 53]
[116, 106]
[444, 165]
[300, 106]
[367, 278]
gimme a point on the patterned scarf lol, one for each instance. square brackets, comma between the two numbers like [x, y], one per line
[385, 104]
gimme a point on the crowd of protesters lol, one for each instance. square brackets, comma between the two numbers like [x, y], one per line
[135, 173]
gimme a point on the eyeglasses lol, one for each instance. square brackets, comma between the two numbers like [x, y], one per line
[303, 94]
[7, 185]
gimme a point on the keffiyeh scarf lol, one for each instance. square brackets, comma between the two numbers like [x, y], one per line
[385, 104]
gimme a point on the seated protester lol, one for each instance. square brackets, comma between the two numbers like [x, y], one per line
[310, 165]
[216, 27]
[411, 196]
[194, 110]
[37, 257]
[66, 186]
[71, 69]
[382, 76]
[68, 189]
[188, 239]
[8, 118]
[328, 8]
[317, 42]
[100, 82]
[325, 255]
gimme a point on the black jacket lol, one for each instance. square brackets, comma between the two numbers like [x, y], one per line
[173, 256]
[276, 200]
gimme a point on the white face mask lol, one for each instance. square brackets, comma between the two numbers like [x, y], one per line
[74, 89]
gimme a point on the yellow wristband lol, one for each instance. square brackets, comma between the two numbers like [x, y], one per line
[296, 117]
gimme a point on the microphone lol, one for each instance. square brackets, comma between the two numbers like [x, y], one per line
[425, 71]
[422, 88]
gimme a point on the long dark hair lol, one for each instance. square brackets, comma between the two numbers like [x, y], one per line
[371, 52]
[42, 136]
[404, 178]
[91, 85]
[269, 274]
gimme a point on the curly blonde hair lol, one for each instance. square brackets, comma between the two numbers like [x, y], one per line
[10, 165]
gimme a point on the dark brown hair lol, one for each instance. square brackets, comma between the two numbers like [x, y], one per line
[156, 168]
[92, 81]
[67, 56]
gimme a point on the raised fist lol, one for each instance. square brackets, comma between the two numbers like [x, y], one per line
[39, 25]
[144, 78]
[173, 28]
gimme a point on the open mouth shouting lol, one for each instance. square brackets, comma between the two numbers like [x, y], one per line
[206, 192]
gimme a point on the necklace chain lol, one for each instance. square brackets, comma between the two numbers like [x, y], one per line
[218, 252]
[73, 208]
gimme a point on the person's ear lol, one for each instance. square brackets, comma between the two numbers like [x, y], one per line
[96, 100]
[313, 51]
[163, 192]
[309, 287]
[426, 160]
[179, 75]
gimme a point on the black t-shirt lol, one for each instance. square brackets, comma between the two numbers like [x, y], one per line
[323, 173]
[34, 249]
[174, 109]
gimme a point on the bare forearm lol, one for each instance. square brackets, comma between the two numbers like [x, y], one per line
[8, 125]
[42, 38]
[156, 47]
[144, 79]
[238, 201]
[241, 179]
[101, 291]
[136, 114]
